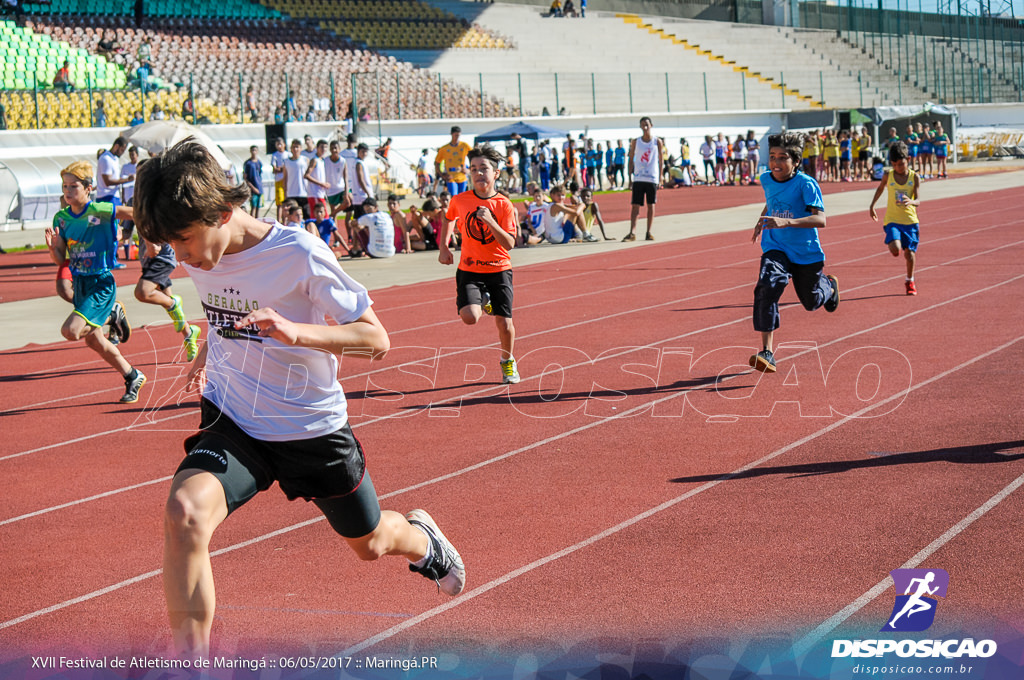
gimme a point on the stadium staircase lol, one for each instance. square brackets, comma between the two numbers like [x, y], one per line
[654, 29]
[813, 63]
[599, 62]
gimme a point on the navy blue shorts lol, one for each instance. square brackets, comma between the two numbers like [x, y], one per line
[158, 271]
[809, 281]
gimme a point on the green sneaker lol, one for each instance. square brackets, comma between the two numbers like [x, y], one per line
[509, 372]
[192, 342]
[177, 314]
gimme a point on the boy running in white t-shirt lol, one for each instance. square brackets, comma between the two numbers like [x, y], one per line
[266, 290]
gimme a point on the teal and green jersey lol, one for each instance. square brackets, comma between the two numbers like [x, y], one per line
[91, 237]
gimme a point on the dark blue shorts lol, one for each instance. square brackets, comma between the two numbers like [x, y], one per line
[904, 233]
[158, 271]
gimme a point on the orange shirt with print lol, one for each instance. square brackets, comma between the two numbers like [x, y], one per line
[481, 252]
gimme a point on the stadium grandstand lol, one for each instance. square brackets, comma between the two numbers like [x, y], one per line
[409, 59]
[84, 64]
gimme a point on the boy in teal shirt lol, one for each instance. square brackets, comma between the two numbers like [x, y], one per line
[86, 237]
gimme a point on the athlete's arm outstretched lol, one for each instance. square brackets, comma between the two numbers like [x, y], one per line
[363, 337]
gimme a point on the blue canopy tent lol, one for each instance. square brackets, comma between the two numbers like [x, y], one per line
[525, 130]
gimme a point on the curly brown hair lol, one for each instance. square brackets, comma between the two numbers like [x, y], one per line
[792, 142]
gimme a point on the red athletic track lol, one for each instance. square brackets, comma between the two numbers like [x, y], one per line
[578, 515]
[31, 274]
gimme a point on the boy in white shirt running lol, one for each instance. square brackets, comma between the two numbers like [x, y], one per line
[266, 290]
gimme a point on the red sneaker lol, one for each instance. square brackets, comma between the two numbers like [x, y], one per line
[911, 288]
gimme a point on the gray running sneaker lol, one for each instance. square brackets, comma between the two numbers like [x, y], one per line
[445, 566]
[132, 387]
[509, 372]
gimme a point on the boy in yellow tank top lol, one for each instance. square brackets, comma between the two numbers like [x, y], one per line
[901, 225]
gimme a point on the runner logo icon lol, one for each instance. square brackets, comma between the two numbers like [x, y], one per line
[914, 609]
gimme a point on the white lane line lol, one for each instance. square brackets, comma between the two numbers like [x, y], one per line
[98, 496]
[76, 440]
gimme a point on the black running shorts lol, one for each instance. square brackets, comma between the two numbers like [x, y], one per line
[329, 470]
[471, 287]
[158, 271]
[644, 190]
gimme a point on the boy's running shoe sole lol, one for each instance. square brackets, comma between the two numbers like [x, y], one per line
[445, 565]
[119, 322]
[763, 361]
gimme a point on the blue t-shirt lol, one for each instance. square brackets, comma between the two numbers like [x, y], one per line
[793, 198]
[324, 228]
[620, 156]
[253, 171]
[91, 237]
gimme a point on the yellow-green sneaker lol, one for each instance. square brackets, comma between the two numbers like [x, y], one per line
[177, 314]
[192, 342]
[509, 372]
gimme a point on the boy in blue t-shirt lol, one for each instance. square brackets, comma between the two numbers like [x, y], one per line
[86, 236]
[788, 228]
[323, 226]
